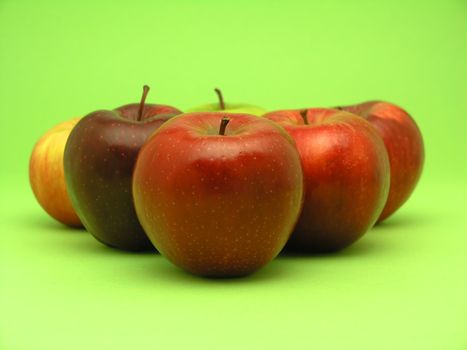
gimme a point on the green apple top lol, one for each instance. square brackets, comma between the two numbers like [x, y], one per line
[221, 106]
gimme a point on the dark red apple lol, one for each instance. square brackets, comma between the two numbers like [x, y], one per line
[218, 200]
[99, 158]
[346, 171]
[404, 144]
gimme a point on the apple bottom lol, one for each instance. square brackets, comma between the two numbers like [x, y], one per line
[334, 217]
[345, 192]
[222, 230]
[48, 184]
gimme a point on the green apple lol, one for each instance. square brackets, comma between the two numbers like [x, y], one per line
[221, 106]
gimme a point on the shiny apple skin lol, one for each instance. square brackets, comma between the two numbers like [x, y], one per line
[346, 172]
[218, 205]
[46, 174]
[404, 143]
[99, 158]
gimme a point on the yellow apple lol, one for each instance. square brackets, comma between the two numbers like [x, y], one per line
[46, 174]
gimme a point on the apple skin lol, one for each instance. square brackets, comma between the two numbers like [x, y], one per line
[222, 106]
[230, 108]
[346, 172]
[46, 174]
[404, 143]
[218, 205]
[99, 160]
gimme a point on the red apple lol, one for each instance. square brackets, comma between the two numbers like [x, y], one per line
[216, 199]
[46, 174]
[99, 158]
[346, 171]
[404, 144]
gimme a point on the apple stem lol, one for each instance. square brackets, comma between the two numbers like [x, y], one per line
[304, 113]
[221, 98]
[141, 103]
[224, 123]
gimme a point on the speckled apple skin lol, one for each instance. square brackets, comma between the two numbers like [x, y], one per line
[404, 143]
[218, 205]
[46, 174]
[346, 172]
[99, 158]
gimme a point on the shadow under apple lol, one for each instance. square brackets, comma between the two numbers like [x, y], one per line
[149, 265]
[163, 269]
[403, 220]
[34, 222]
[76, 239]
[361, 247]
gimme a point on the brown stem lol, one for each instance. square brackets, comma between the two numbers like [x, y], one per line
[304, 113]
[141, 103]
[224, 123]
[221, 98]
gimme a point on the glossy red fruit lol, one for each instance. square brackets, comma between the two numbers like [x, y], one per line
[404, 143]
[346, 171]
[218, 200]
[99, 158]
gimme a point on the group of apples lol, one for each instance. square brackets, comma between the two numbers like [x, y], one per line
[222, 189]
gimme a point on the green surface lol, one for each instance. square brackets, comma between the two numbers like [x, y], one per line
[403, 286]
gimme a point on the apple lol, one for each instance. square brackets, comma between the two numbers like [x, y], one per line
[222, 106]
[404, 144]
[218, 193]
[46, 174]
[346, 171]
[99, 158]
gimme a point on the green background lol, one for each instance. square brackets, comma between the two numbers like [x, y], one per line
[403, 286]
